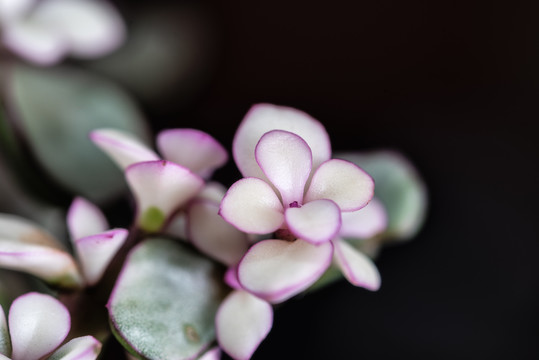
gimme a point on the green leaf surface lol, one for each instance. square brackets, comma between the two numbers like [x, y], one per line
[399, 187]
[165, 299]
[56, 109]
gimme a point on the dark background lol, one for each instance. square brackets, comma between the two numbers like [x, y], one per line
[454, 85]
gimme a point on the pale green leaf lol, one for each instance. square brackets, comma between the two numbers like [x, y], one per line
[164, 302]
[57, 108]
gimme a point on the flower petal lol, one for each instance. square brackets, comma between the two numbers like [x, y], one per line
[286, 160]
[50, 264]
[343, 182]
[212, 354]
[276, 270]
[96, 251]
[213, 191]
[262, 118]
[90, 28]
[316, 222]
[81, 348]
[364, 223]
[356, 267]
[122, 147]
[84, 219]
[160, 187]
[5, 342]
[34, 42]
[252, 206]
[194, 149]
[242, 322]
[212, 235]
[38, 324]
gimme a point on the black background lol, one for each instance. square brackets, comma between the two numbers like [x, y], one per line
[454, 85]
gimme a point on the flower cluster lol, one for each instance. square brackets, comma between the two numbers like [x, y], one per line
[293, 215]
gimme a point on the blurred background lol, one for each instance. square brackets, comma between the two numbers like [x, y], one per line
[453, 85]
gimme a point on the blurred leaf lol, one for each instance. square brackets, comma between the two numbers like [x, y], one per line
[164, 302]
[168, 55]
[56, 109]
[399, 187]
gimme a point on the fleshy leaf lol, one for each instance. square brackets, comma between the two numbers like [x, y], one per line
[276, 270]
[286, 160]
[194, 149]
[13, 9]
[124, 148]
[160, 188]
[212, 235]
[262, 118]
[29, 248]
[38, 324]
[84, 219]
[5, 341]
[81, 348]
[399, 187]
[212, 354]
[164, 302]
[88, 28]
[356, 267]
[343, 182]
[96, 251]
[242, 322]
[364, 223]
[58, 107]
[316, 221]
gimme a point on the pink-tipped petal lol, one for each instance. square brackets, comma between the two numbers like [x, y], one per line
[212, 354]
[262, 118]
[34, 41]
[356, 267]
[241, 323]
[5, 342]
[286, 160]
[316, 222]
[231, 278]
[50, 264]
[122, 147]
[38, 324]
[194, 149]
[84, 219]
[96, 251]
[90, 28]
[364, 223]
[81, 348]
[161, 185]
[212, 235]
[343, 182]
[252, 206]
[276, 270]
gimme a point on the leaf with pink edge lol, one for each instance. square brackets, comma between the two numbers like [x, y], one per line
[316, 221]
[399, 187]
[194, 149]
[38, 324]
[276, 270]
[164, 302]
[84, 219]
[81, 348]
[242, 322]
[262, 118]
[356, 267]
